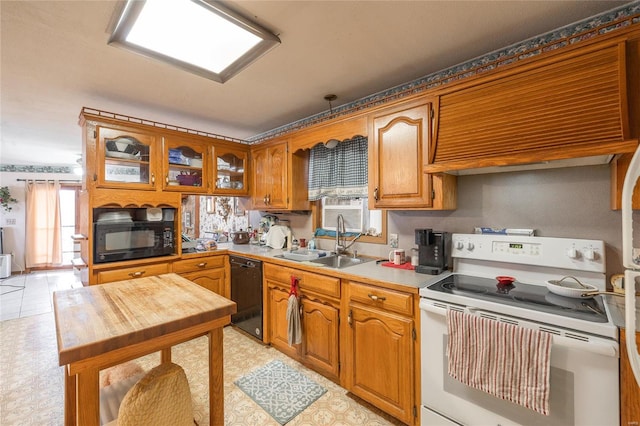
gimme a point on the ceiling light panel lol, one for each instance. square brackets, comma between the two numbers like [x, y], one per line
[199, 36]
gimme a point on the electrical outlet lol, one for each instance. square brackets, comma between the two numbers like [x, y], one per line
[393, 240]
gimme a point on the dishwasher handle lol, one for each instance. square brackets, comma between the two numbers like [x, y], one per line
[244, 263]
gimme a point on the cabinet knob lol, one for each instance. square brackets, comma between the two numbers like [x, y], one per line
[201, 264]
[137, 274]
[375, 194]
[166, 179]
[153, 178]
[376, 298]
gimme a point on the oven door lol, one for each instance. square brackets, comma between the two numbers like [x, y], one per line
[583, 380]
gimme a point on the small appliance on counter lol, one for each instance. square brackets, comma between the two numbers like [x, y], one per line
[433, 251]
[277, 236]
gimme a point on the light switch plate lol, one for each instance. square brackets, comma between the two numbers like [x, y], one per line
[393, 240]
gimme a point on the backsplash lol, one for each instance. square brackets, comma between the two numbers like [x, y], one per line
[220, 213]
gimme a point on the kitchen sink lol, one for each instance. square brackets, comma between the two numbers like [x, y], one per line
[341, 261]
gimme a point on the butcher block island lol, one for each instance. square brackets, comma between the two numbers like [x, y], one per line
[104, 325]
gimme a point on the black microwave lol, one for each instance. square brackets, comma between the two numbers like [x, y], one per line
[115, 241]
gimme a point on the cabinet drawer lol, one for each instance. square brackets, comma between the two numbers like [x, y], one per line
[280, 274]
[320, 284]
[132, 272]
[389, 300]
[198, 264]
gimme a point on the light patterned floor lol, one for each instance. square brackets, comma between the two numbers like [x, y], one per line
[31, 382]
[23, 295]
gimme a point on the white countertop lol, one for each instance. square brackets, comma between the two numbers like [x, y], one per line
[367, 270]
[616, 308]
[372, 270]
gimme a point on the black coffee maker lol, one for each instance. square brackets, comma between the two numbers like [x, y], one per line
[433, 251]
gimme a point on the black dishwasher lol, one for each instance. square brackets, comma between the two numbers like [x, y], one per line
[246, 291]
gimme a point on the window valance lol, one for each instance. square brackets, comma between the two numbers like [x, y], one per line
[339, 172]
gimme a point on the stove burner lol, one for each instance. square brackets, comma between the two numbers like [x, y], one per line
[527, 296]
[468, 289]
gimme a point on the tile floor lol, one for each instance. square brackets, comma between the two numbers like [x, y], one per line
[31, 381]
[23, 295]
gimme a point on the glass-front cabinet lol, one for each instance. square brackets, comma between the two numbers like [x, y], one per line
[126, 159]
[230, 169]
[185, 165]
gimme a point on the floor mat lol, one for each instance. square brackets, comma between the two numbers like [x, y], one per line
[280, 390]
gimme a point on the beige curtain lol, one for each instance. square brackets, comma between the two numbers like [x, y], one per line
[43, 243]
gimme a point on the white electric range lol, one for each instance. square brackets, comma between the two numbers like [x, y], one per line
[585, 349]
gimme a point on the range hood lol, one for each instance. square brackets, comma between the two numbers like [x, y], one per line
[554, 164]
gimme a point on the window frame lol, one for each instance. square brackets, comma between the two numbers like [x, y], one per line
[316, 222]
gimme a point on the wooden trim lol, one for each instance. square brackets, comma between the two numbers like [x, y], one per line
[536, 156]
[341, 129]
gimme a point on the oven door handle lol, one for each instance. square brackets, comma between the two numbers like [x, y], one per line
[600, 346]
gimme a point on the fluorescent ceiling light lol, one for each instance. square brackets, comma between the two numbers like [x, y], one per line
[200, 36]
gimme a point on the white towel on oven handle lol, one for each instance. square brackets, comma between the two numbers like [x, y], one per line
[504, 360]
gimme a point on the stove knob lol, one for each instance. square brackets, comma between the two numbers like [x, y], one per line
[459, 245]
[590, 254]
[572, 253]
[470, 246]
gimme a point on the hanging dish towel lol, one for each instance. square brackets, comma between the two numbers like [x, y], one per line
[293, 315]
[504, 360]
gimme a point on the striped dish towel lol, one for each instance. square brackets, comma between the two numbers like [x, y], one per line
[504, 360]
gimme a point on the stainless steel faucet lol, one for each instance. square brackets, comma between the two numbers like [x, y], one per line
[340, 242]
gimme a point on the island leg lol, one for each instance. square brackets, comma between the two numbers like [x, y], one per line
[216, 378]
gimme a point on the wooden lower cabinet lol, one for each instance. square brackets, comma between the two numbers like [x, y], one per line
[629, 388]
[210, 272]
[320, 337]
[320, 318]
[278, 326]
[131, 272]
[358, 335]
[380, 351]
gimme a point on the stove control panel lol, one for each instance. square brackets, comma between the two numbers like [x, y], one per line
[566, 253]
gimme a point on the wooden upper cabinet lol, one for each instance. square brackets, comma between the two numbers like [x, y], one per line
[126, 158]
[399, 140]
[230, 170]
[564, 106]
[185, 165]
[270, 176]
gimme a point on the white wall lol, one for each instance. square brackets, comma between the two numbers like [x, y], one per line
[14, 235]
[568, 202]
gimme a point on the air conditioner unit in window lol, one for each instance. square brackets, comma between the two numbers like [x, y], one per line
[352, 211]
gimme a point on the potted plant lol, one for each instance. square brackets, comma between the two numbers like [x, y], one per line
[6, 198]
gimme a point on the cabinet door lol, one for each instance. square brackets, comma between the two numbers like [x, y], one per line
[629, 389]
[277, 194]
[211, 279]
[230, 174]
[126, 159]
[381, 360]
[399, 149]
[270, 177]
[278, 326]
[320, 337]
[185, 166]
[260, 184]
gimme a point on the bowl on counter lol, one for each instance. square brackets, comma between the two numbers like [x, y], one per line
[240, 237]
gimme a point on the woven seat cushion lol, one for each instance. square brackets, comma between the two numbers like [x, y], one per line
[162, 397]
